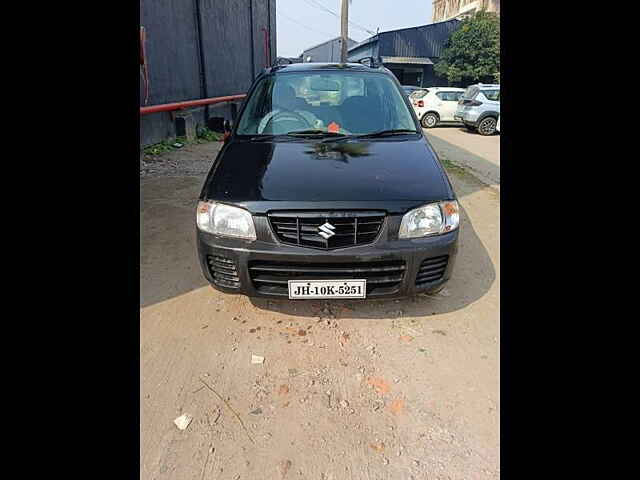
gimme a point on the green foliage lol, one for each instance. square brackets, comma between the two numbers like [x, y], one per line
[473, 53]
[207, 135]
[204, 136]
[159, 148]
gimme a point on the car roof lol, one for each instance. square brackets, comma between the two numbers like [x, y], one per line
[453, 89]
[482, 86]
[311, 66]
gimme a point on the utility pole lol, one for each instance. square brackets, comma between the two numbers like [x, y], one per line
[344, 30]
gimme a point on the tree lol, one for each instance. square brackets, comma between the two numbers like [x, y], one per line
[473, 52]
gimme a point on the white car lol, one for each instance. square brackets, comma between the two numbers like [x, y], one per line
[498, 125]
[436, 105]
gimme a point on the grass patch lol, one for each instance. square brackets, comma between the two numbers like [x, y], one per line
[205, 135]
[452, 167]
[160, 148]
[462, 173]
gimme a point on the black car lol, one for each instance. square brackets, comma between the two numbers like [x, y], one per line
[344, 198]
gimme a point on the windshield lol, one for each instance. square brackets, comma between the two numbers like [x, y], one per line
[419, 94]
[351, 103]
[470, 92]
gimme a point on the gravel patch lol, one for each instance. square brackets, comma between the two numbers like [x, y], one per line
[188, 161]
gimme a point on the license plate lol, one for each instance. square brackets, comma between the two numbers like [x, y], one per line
[313, 289]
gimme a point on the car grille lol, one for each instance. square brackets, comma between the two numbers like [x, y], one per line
[272, 278]
[431, 269]
[350, 228]
[223, 270]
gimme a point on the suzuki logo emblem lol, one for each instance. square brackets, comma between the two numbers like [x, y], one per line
[326, 231]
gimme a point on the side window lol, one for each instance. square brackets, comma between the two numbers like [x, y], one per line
[449, 96]
[493, 95]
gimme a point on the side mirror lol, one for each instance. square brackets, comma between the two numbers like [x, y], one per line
[227, 126]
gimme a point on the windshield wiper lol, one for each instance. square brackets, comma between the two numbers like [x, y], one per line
[384, 133]
[296, 134]
[260, 138]
[316, 132]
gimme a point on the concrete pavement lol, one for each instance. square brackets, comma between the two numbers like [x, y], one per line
[480, 155]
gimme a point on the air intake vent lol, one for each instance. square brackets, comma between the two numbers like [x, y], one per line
[224, 272]
[431, 270]
[383, 278]
[326, 230]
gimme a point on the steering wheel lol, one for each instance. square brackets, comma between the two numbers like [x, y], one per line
[288, 113]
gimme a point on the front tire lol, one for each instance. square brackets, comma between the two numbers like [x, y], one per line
[487, 126]
[429, 120]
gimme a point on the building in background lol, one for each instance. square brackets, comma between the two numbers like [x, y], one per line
[328, 51]
[448, 9]
[201, 49]
[409, 53]
[284, 60]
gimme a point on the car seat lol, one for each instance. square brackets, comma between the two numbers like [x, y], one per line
[362, 114]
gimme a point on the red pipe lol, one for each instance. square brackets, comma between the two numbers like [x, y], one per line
[267, 58]
[167, 107]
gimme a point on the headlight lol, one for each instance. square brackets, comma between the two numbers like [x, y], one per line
[225, 220]
[432, 219]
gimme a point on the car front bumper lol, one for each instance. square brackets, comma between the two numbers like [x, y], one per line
[230, 265]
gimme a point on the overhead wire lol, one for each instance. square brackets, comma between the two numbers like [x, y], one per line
[316, 4]
[303, 25]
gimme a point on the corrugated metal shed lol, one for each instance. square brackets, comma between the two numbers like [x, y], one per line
[328, 51]
[233, 53]
[409, 52]
[366, 48]
[426, 41]
[290, 59]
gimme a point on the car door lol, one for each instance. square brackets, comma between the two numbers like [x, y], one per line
[448, 102]
[492, 100]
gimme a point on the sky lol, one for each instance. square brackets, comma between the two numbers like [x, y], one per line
[301, 24]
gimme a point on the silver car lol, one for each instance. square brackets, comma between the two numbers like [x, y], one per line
[479, 108]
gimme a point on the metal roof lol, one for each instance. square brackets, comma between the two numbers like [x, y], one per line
[424, 41]
[350, 42]
[453, 89]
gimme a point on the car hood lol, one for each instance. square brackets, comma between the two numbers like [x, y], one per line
[382, 170]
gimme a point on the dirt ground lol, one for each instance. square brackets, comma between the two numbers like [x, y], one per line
[405, 389]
